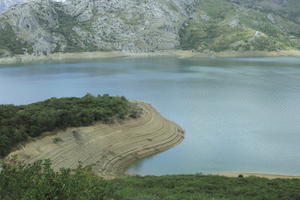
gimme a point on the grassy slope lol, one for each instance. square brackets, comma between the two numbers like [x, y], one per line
[177, 187]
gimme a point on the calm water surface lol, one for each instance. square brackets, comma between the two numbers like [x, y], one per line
[239, 114]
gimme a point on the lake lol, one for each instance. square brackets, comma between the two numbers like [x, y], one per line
[239, 114]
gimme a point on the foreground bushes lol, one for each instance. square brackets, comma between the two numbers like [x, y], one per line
[38, 182]
[18, 123]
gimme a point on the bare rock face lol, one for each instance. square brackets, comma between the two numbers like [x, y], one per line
[33, 22]
[87, 25]
[129, 25]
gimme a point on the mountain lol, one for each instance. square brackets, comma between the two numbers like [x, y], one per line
[48, 26]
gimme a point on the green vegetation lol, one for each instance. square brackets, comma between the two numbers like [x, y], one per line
[217, 8]
[9, 42]
[67, 23]
[57, 140]
[38, 181]
[20, 123]
[287, 8]
[217, 25]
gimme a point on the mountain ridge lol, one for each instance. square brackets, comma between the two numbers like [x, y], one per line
[42, 27]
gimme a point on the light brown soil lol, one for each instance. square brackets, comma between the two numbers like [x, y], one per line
[115, 54]
[261, 175]
[110, 149]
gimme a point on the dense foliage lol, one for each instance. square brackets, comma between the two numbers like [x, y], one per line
[38, 182]
[19, 123]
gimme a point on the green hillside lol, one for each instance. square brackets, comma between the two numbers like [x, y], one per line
[219, 25]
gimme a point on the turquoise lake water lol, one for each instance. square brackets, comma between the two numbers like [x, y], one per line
[239, 114]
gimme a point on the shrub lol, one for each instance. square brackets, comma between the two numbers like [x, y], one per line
[57, 140]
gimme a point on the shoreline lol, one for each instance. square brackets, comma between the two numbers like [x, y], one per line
[256, 174]
[118, 54]
[108, 148]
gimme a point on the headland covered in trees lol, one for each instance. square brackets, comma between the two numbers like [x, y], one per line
[20, 123]
[105, 132]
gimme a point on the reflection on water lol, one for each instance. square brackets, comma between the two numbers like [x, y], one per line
[239, 114]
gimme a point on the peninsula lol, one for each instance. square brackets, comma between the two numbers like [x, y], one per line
[109, 146]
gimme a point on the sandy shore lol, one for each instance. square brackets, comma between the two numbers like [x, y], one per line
[261, 175]
[109, 149]
[116, 54]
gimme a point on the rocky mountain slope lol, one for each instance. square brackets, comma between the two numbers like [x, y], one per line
[47, 26]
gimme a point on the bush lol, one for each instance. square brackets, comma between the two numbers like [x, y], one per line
[57, 140]
[38, 181]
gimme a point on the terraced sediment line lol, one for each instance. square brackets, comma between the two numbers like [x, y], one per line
[110, 149]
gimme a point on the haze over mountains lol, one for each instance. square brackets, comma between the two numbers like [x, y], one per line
[48, 26]
[5, 4]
